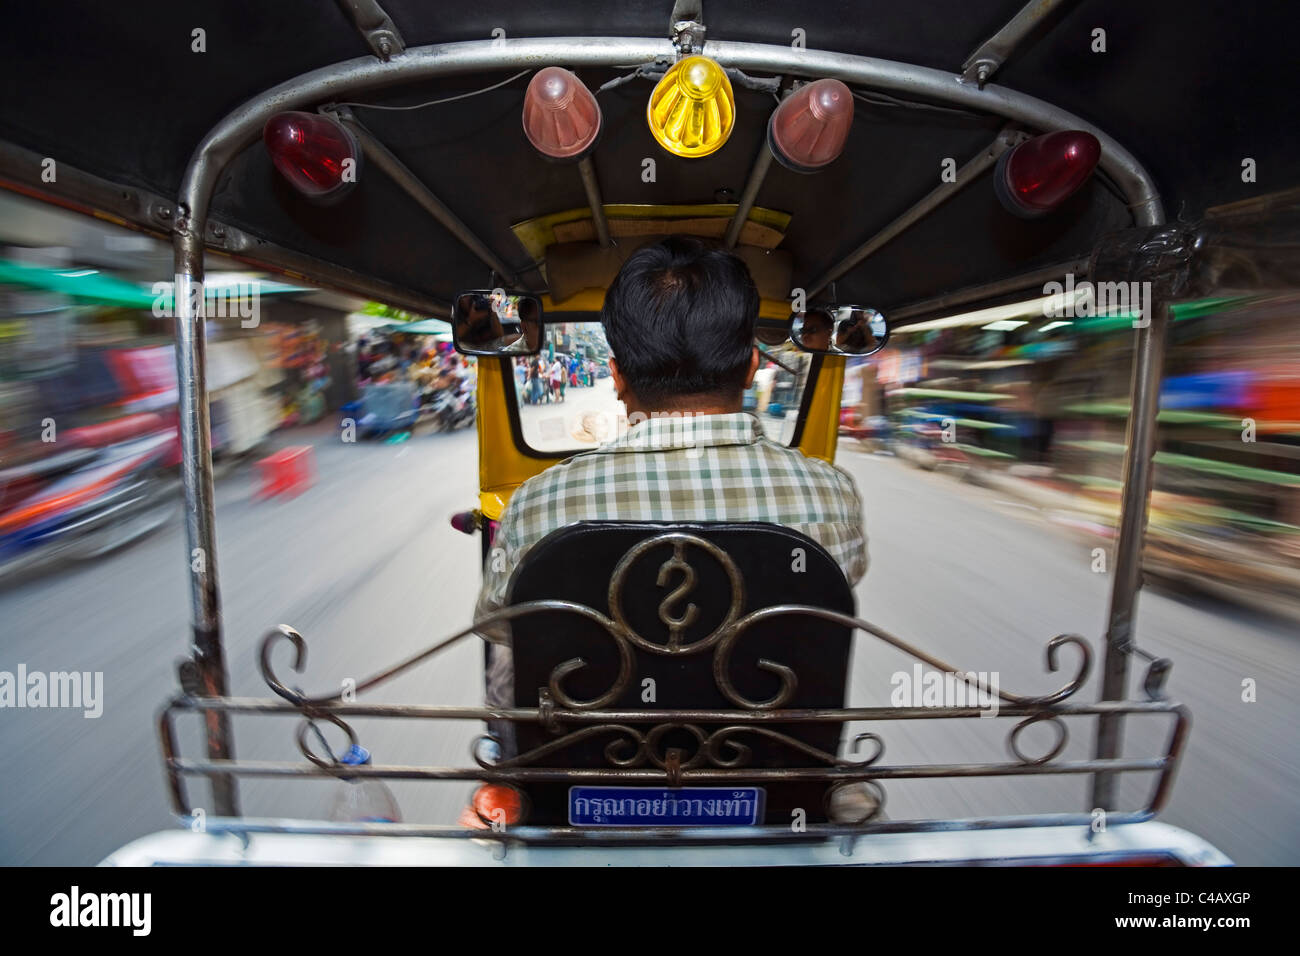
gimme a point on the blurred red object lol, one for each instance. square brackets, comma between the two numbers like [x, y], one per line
[466, 522]
[112, 432]
[290, 471]
[144, 373]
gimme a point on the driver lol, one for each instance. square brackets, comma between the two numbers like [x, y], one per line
[816, 331]
[680, 319]
[477, 321]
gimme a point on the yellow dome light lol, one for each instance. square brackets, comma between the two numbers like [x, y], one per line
[692, 110]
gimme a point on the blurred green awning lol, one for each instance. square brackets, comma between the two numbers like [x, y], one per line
[424, 327]
[87, 285]
[102, 288]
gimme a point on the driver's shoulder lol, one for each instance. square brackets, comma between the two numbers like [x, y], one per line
[574, 470]
[816, 472]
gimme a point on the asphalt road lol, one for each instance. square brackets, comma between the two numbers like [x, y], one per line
[365, 565]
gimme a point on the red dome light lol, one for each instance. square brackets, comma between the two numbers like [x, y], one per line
[809, 128]
[313, 153]
[561, 116]
[1040, 174]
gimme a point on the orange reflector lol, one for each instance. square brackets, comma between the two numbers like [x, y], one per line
[498, 803]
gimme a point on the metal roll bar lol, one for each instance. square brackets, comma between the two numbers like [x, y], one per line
[976, 166]
[367, 74]
[591, 185]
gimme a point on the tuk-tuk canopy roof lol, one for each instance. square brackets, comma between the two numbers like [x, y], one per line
[1191, 89]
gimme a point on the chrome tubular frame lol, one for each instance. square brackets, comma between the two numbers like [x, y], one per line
[355, 77]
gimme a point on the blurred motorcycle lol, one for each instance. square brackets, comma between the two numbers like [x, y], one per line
[385, 408]
[452, 408]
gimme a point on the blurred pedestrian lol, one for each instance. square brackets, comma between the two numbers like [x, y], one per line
[557, 380]
[521, 380]
[535, 386]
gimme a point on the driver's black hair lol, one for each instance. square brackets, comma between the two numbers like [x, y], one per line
[679, 317]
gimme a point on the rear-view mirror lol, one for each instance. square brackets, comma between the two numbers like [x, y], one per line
[839, 330]
[496, 322]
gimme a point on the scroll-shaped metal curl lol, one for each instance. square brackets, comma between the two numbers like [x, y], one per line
[1062, 737]
[628, 736]
[299, 662]
[875, 739]
[615, 691]
[656, 734]
[722, 737]
[302, 701]
[722, 659]
[1053, 648]
[679, 540]
[309, 723]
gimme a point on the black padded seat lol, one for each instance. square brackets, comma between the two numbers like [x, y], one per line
[777, 565]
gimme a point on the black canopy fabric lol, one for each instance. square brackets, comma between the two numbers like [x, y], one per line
[1192, 88]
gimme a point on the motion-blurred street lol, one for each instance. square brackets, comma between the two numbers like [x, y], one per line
[365, 565]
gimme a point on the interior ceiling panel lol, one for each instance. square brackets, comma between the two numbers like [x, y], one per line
[1190, 89]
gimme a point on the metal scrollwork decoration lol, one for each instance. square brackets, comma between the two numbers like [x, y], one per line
[723, 639]
[309, 724]
[676, 625]
[630, 747]
[1062, 737]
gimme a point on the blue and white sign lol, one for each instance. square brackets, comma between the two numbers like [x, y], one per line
[653, 807]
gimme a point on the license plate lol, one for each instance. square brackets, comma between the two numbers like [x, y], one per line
[655, 807]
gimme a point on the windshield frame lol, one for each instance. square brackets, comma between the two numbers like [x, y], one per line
[506, 365]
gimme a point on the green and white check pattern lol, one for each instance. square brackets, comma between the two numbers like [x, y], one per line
[675, 468]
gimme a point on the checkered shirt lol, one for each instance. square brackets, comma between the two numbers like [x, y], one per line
[674, 468]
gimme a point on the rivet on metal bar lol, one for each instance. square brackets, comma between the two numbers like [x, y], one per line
[993, 52]
[673, 766]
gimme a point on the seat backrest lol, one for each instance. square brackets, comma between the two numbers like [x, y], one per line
[676, 589]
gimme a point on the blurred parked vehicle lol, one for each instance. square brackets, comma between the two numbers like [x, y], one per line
[106, 486]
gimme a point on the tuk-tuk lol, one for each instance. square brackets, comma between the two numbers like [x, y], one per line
[496, 172]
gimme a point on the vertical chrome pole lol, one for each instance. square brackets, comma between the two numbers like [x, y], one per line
[1140, 442]
[1160, 258]
[200, 528]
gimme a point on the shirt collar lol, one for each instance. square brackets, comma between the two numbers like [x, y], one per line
[668, 431]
